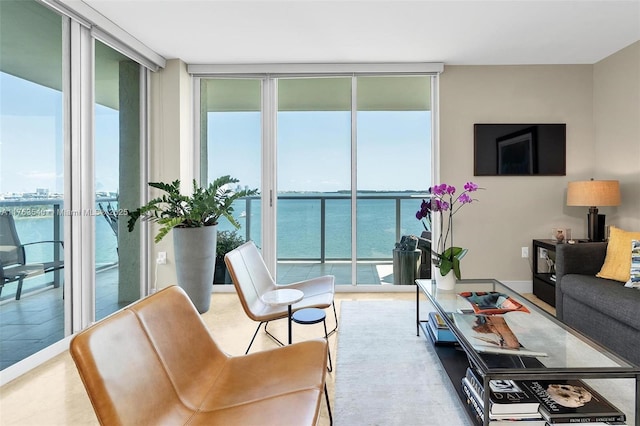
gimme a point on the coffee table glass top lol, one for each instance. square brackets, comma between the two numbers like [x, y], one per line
[536, 330]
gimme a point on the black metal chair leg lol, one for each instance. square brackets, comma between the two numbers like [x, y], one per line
[330, 366]
[326, 394]
[271, 335]
[254, 337]
[335, 315]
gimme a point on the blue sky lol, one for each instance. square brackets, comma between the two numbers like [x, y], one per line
[314, 152]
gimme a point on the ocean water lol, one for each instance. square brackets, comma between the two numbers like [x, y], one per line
[299, 228]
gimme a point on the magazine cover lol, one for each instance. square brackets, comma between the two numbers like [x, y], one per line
[491, 334]
[573, 401]
[492, 302]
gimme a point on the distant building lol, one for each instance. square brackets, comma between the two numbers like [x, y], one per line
[42, 192]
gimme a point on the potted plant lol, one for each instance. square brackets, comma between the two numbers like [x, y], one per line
[193, 218]
[444, 202]
[225, 242]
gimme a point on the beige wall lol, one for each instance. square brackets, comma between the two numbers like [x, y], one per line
[513, 210]
[601, 106]
[170, 133]
[616, 91]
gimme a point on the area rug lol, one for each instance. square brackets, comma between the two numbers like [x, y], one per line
[385, 374]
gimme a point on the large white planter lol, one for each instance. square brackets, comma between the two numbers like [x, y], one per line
[195, 253]
[447, 282]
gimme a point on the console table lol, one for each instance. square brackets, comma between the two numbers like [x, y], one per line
[570, 354]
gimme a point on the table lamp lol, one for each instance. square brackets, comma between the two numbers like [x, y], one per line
[593, 193]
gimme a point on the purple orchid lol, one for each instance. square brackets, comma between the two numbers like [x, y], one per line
[470, 187]
[443, 199]
[464, 198]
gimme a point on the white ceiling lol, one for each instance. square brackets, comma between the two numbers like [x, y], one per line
[475, 32]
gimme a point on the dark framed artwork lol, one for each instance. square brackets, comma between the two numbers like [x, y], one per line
[517, 153]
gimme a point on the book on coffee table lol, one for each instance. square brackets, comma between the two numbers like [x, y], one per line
[507, 397]
[441, 332]
[491, 334]
[476, 405]
[573, 401]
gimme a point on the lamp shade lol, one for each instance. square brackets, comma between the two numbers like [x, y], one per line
[593, 193]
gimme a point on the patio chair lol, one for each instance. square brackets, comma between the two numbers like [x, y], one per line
[13, 259]
[252, 279]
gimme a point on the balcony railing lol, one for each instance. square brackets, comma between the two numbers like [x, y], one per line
[394, 212]
[398, 218]
[48, 208]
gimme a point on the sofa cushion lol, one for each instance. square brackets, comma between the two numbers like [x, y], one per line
[608, 296]
[617, 263]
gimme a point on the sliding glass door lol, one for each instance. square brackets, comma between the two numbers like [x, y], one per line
[314, 178]
[32, 176]
[71, 112]
[349, 161]
[230, 136]
[393, 167]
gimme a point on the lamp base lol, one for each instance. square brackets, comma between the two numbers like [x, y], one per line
[596, 225]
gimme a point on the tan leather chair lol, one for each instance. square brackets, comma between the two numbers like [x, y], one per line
[252, 279]
[155, 363]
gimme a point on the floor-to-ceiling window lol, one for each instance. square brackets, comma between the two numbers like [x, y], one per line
[54, 144]
[314, 178]
[231, 133]
[32, 174]
[393, 167]
[350, 161]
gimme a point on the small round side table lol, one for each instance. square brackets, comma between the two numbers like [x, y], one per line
[313, 316]
[283, 296]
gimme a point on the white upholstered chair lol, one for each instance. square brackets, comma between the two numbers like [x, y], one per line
[252, 279]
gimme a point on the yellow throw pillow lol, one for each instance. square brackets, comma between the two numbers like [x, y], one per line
[617, 263]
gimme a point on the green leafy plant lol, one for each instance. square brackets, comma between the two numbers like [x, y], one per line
[204, 207]
[227, 241]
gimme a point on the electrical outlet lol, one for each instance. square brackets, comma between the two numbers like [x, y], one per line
[162, 258]
[525, 252]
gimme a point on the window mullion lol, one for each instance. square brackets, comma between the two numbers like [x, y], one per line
[269, 173]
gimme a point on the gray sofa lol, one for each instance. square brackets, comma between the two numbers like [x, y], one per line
[602, 309]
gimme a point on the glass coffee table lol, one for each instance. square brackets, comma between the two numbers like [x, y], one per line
[567, 354]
